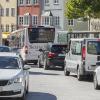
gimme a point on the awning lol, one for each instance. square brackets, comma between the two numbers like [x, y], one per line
[5, 35]
[48, 13]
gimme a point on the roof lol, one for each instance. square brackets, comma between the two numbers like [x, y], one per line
[81, 39]
[48, 13]
[11, 54]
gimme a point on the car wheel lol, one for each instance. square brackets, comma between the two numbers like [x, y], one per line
[79, 77]
[27, 89]
[24, 95]
[96, 86]
[35, 63]
[45, 65]
[66, 73]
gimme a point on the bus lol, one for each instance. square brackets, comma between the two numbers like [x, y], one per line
[0, 37]
[65, 36]
[30, 40]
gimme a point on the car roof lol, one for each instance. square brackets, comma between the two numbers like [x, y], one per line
[10, 54]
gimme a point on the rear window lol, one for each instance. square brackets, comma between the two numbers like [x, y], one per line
[4, 49]
[58, 48]
[93, 47]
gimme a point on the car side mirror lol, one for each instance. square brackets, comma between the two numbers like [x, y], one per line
[26, 67]
[41, 50]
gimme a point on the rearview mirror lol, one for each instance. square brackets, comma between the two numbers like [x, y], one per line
[26, 67]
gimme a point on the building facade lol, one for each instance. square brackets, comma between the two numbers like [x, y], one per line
[53, 14]
[8, 15]
[29, 13]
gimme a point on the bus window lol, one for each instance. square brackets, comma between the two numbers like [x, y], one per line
[41, 35]
[96, 35]
[33, 35]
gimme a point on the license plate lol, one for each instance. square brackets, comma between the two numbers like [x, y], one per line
[1, 88]
[61, 55]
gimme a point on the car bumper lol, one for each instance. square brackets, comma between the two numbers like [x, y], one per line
[56, 62]
[11, 91]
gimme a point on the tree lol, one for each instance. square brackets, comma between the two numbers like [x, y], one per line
[82, 9]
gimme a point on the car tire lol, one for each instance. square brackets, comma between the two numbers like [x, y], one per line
[79, 77]
[24, 95]
[96, 86]
[66, 73]
[46, 67]
[27, 89]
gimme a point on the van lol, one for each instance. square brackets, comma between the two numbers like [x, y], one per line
[82, 57]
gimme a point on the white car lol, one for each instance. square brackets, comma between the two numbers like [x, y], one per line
[14, 77]
[96, 78]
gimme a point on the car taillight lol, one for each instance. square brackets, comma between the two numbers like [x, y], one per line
[83, 53]
[51, 55]
[26, 49]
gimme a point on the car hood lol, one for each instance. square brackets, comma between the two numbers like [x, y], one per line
[9, 73]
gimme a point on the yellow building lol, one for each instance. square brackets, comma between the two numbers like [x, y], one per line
[8, 16]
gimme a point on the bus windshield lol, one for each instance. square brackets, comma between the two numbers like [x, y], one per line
[41, 35]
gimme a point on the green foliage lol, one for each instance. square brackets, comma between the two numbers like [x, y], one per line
[82, 8]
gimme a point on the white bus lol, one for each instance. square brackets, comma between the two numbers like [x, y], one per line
[30, 40]
[65, 36]
[0, 37]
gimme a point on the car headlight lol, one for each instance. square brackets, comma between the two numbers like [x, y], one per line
[16, 80]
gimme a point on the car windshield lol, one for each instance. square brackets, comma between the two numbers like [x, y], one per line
[58, 48]
[9, 63]
[4, 49]
[93, 47]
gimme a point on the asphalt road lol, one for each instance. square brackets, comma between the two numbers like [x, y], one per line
[53, 85]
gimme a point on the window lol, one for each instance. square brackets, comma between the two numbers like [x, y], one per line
[21, 2]
[28, 1]
[13, 12]
[7, 28]
[1, 12]
[46, 2]
[2, 28]
[47, 20]
[20, 20]
[57, 20]
[26, 20]
[76, 48]
[93, 47]
[56, 1]
[13, 27]
[70, 22]
[7, 0]
[35, 1]
[35, 20]
[7, 11]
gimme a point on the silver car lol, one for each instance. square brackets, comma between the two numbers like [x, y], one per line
[14, 76]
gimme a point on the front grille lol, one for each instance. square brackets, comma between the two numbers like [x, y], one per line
[3, 82]
[8, 93]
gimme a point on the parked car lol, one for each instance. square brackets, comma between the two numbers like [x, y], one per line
[5, 48]
[83, 56]
[14, 77]
[96, 78]
[14, 49]
[53, 56]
